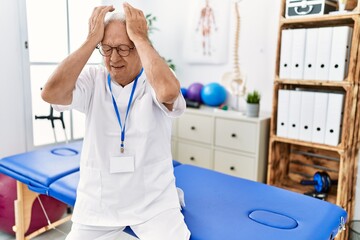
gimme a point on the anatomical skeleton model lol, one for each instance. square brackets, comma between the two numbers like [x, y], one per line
[235, 80]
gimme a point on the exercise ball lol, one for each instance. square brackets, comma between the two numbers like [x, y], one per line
[194, 92]
[213, 94]
[184, 92]
[54, 208]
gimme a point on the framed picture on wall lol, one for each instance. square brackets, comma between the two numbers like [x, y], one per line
[207, 32]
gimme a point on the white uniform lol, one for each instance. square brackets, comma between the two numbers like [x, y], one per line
[130, 198]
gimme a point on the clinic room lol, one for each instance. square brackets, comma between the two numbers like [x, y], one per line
[189, 120]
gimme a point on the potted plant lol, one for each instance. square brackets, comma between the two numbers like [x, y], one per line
[253, 103]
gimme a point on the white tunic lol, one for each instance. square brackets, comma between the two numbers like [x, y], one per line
[122, 199]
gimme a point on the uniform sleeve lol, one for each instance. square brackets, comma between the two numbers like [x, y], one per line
[178, 107]
[82, 93]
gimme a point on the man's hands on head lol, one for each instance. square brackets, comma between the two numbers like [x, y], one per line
[136, 24]
[96, 23]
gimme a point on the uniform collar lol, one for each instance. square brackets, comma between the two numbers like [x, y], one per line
[117, 88]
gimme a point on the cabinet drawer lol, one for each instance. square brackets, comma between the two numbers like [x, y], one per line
[174, 130]
[174, 149]
[196, 128]
[234, 164]
[195, 155]
[236, 135]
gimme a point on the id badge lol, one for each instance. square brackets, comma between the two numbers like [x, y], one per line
[122, 163]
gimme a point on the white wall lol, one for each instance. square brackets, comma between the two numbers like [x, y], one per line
[258, 37]
[12, 112]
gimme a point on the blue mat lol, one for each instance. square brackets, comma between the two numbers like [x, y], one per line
[218, 206]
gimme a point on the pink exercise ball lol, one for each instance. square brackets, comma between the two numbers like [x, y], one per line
[54, 208]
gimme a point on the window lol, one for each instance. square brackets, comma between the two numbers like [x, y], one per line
[53, 33]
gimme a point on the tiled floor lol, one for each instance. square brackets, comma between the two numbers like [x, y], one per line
[59, 234]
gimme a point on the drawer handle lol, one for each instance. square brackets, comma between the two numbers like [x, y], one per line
[192, 159]
[192, 128]
[232, 168]
[233, 135]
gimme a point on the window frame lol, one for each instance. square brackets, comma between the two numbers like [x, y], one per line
[26, 75]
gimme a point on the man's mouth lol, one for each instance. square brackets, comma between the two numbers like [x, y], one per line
[117, 67]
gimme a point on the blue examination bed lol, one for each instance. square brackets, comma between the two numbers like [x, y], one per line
[218, 206]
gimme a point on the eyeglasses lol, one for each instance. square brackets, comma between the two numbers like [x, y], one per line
[106, 50]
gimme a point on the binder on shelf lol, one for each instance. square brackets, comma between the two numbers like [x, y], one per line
[294, 114]
[340, 48]
[282, 113]
[310, 53]
[306, 115]
[334, 118]
[285, 53]
[323, 53]
[348, 52]
[297, 53]
[319, 120]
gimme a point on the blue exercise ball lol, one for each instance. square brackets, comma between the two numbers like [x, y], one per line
[213, 94]
[184, 92]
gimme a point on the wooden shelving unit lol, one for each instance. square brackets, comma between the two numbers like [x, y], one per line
[291, 160]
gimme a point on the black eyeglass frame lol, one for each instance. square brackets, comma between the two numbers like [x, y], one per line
[119, 49]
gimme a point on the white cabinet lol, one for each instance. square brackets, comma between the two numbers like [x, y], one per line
[234, 164]
[236, 134]
[195, 155]
[225, 141]
[199, 128]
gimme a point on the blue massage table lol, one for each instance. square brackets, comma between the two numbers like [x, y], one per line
[218, 206]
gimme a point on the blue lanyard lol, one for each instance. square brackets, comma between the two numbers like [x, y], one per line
[127, 110]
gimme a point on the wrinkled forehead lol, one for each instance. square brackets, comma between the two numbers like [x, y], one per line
[115, 34]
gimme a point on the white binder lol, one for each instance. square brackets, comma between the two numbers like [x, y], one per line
[310, 53]
[285, 53]
[306, 115]
[340, 46]
[333, 118]
[319, 120]
[297, 53]
[323, 53]
[294, 114]
[282, 113]
[348, 52]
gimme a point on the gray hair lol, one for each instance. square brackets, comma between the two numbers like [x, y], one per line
[117, 16]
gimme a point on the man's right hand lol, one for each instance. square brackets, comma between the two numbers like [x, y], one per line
[60, 85]
[96, 22]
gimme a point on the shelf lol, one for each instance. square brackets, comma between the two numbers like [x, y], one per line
[291, 160]
[319, 21]
[339, 84]
[308, 144]
[294, 186]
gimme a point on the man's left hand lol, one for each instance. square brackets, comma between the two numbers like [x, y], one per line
[136, 24]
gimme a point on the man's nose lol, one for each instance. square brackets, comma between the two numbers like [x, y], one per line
[115, 55]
